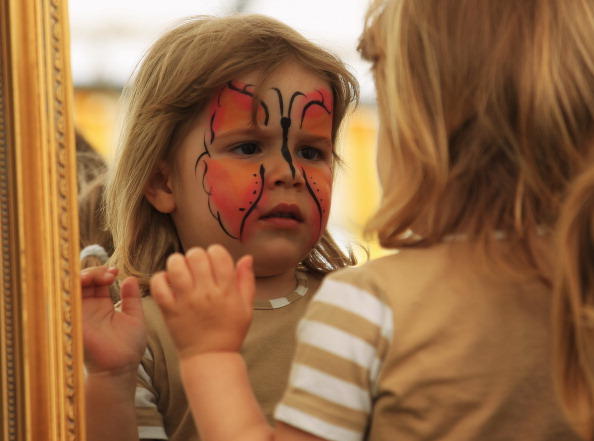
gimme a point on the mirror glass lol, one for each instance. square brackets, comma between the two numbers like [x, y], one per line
[109, 38]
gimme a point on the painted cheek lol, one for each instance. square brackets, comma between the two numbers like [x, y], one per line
[319, 182]
[233, 191]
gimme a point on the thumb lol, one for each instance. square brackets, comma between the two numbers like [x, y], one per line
[130, 293]
[246, 282]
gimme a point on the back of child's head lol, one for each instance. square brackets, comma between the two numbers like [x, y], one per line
[91, 168]
[173, 84]
[89, 163]
[91, 213]
[574, 319]
[487, 113]
[487, 116]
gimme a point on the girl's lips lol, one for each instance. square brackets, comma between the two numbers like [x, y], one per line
[284, 211]
[281, 222]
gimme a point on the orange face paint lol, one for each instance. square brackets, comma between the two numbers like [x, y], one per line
[316, 114]
[236, 186]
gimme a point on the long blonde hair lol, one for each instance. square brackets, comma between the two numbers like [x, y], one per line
[484, 125]
[574, 304]
[487, 118]
[175, 80]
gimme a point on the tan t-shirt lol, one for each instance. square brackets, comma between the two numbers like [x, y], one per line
[426, 345]
[161, 406]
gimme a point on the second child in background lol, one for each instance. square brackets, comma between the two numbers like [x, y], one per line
[229, 139]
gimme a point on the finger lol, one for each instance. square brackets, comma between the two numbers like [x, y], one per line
[130, 293]
[222, 267]
[97, 276]
[178, 273]
[161, 291]
[246, 282]
[101, 269]
[200, 267]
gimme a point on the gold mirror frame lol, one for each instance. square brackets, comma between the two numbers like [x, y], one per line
[40, 345]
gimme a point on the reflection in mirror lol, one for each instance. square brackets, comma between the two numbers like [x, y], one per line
[108, 42]
[109, 39]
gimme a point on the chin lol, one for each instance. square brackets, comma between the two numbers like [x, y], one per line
[277, 258]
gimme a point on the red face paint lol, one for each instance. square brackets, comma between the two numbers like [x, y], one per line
[238, 185]
[315, 118]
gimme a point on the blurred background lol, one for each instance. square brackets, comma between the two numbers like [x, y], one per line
[110, 37]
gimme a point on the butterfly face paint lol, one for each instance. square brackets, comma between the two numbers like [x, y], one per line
[276, 167]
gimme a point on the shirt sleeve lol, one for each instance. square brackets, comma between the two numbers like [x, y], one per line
[149, 420]
[341, 343]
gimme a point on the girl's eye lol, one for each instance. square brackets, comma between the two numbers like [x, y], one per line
[246, 148]
[311, 153]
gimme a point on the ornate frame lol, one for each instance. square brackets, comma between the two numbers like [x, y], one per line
[41, 378]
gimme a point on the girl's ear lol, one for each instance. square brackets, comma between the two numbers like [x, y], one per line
[159, 190]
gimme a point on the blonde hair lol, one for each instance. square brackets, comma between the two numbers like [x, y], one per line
[574, 308]
[484, 125]
[177, 77]
[488, 117]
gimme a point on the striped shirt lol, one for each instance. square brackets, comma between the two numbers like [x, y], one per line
[162, 411]
[422, 345]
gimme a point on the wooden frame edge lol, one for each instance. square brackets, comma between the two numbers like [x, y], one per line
[40, 345]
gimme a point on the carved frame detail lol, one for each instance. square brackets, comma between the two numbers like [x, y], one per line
[41, 378]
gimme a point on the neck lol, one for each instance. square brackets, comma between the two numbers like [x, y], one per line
[277, 285]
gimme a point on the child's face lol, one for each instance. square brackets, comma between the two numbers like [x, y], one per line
[260, 189]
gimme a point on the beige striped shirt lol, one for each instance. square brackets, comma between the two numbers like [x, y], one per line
[422, 345]
[162, 411]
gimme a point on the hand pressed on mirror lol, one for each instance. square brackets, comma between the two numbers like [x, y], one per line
[206, 300]
[114, 340]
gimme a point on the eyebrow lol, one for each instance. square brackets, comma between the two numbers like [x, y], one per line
[244, 131]
[308, 137]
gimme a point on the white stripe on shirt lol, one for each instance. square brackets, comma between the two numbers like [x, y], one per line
[142, 373]
[313, 425]
[337, 342]
[358, 302]
[143, 398]
[151, 432]
[329, 388]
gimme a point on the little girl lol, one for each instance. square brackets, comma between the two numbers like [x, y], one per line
[229, 139]
[486, 116]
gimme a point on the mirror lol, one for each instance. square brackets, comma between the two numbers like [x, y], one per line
[40, 344]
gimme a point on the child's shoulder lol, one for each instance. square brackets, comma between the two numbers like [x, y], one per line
[403, 268]
[377, 272]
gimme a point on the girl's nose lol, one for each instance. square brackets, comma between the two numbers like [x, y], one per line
[282, 171]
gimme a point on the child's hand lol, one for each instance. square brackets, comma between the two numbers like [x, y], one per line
[206, 300]
[114, 340]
